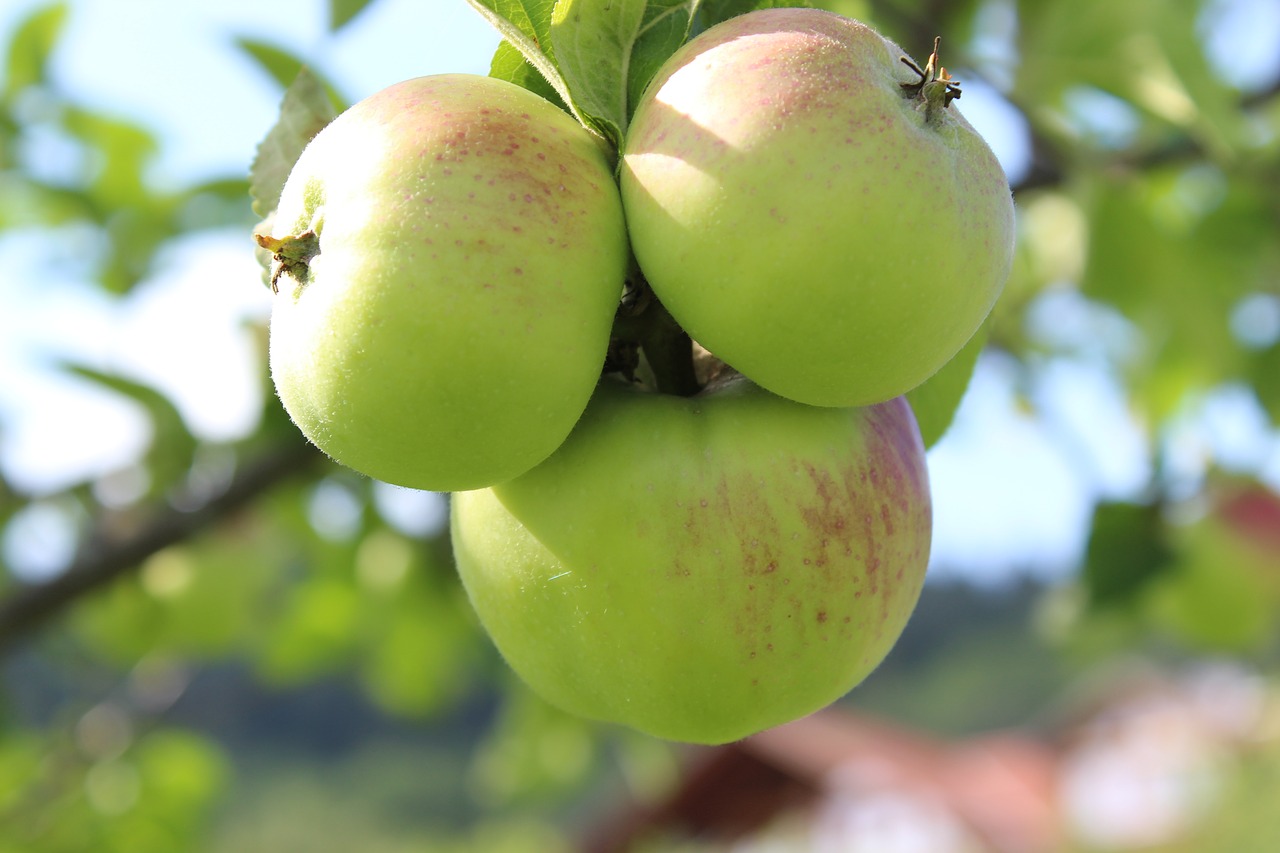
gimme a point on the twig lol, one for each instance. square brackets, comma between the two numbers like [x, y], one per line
[26, 608]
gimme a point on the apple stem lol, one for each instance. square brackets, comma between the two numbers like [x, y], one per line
[643, 323]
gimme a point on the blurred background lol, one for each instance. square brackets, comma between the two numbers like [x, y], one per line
[211, 639]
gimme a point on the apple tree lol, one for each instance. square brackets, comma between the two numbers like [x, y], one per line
[1142, 243]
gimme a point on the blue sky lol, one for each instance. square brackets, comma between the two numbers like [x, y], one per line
[1011, 490]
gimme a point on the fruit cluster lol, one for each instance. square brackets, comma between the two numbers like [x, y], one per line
[458, 261]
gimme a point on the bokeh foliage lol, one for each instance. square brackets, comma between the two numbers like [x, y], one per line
[1149, 237]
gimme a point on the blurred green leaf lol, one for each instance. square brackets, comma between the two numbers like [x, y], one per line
[304, 111]
[228, 189]
[534, 750]
[1264, 376]
[136, 219]
[121, 624]
[29, 203]
[1222, 596]
[281, 65]
[1243, 819]
[172, 447]
[1175, 250]
[285, 68]
[421, 652]
[210, 594]
[124, 150]
[1147, 53]
[1127, 552]
[21, 754]
[182, 774]
[341, 12]
[215, 204]
[203, 600]
[314, 633]
[29, 49]
[1181, 86]
[510, 835]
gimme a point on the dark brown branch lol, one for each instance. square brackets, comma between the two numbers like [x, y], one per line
[26, 608]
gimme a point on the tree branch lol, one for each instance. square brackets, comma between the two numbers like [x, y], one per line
[26, 608]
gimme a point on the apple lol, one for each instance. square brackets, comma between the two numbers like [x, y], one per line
[449, 255]
[811, 207]
[701, 568]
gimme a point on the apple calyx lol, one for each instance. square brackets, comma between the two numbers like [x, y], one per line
[291, 255]
[936, 88]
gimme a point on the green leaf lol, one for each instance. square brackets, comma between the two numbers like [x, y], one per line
[666, 27]
[526, 25]
[423, 645]
[314, 632]
[1211, 112]
[509, 64]
[1265, 377]
[209, 593]
[120, 624]
[712, 12]
[29, 49]
[136, 218]
[223, 189]
[172, 446]
[182, 775]
[1148, 53]
[125, 150]
[1127, 552]
[214, 204]
[342, 11]
[520, 20]
[609, 52]
[22, 757]
[284, 67]
[199, 599]
[593, 43]
[935, 400]
[304, 111]
[27, 202]
[1174, 250]
[534, 749]
[280, 65]
[1222, 594]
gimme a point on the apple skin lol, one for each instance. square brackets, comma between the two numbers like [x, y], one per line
[800, 215]
[452, 327]
[703, 568]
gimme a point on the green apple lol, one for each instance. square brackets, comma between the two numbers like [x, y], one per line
[813, 209]
[701, 568]
[449, 254]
